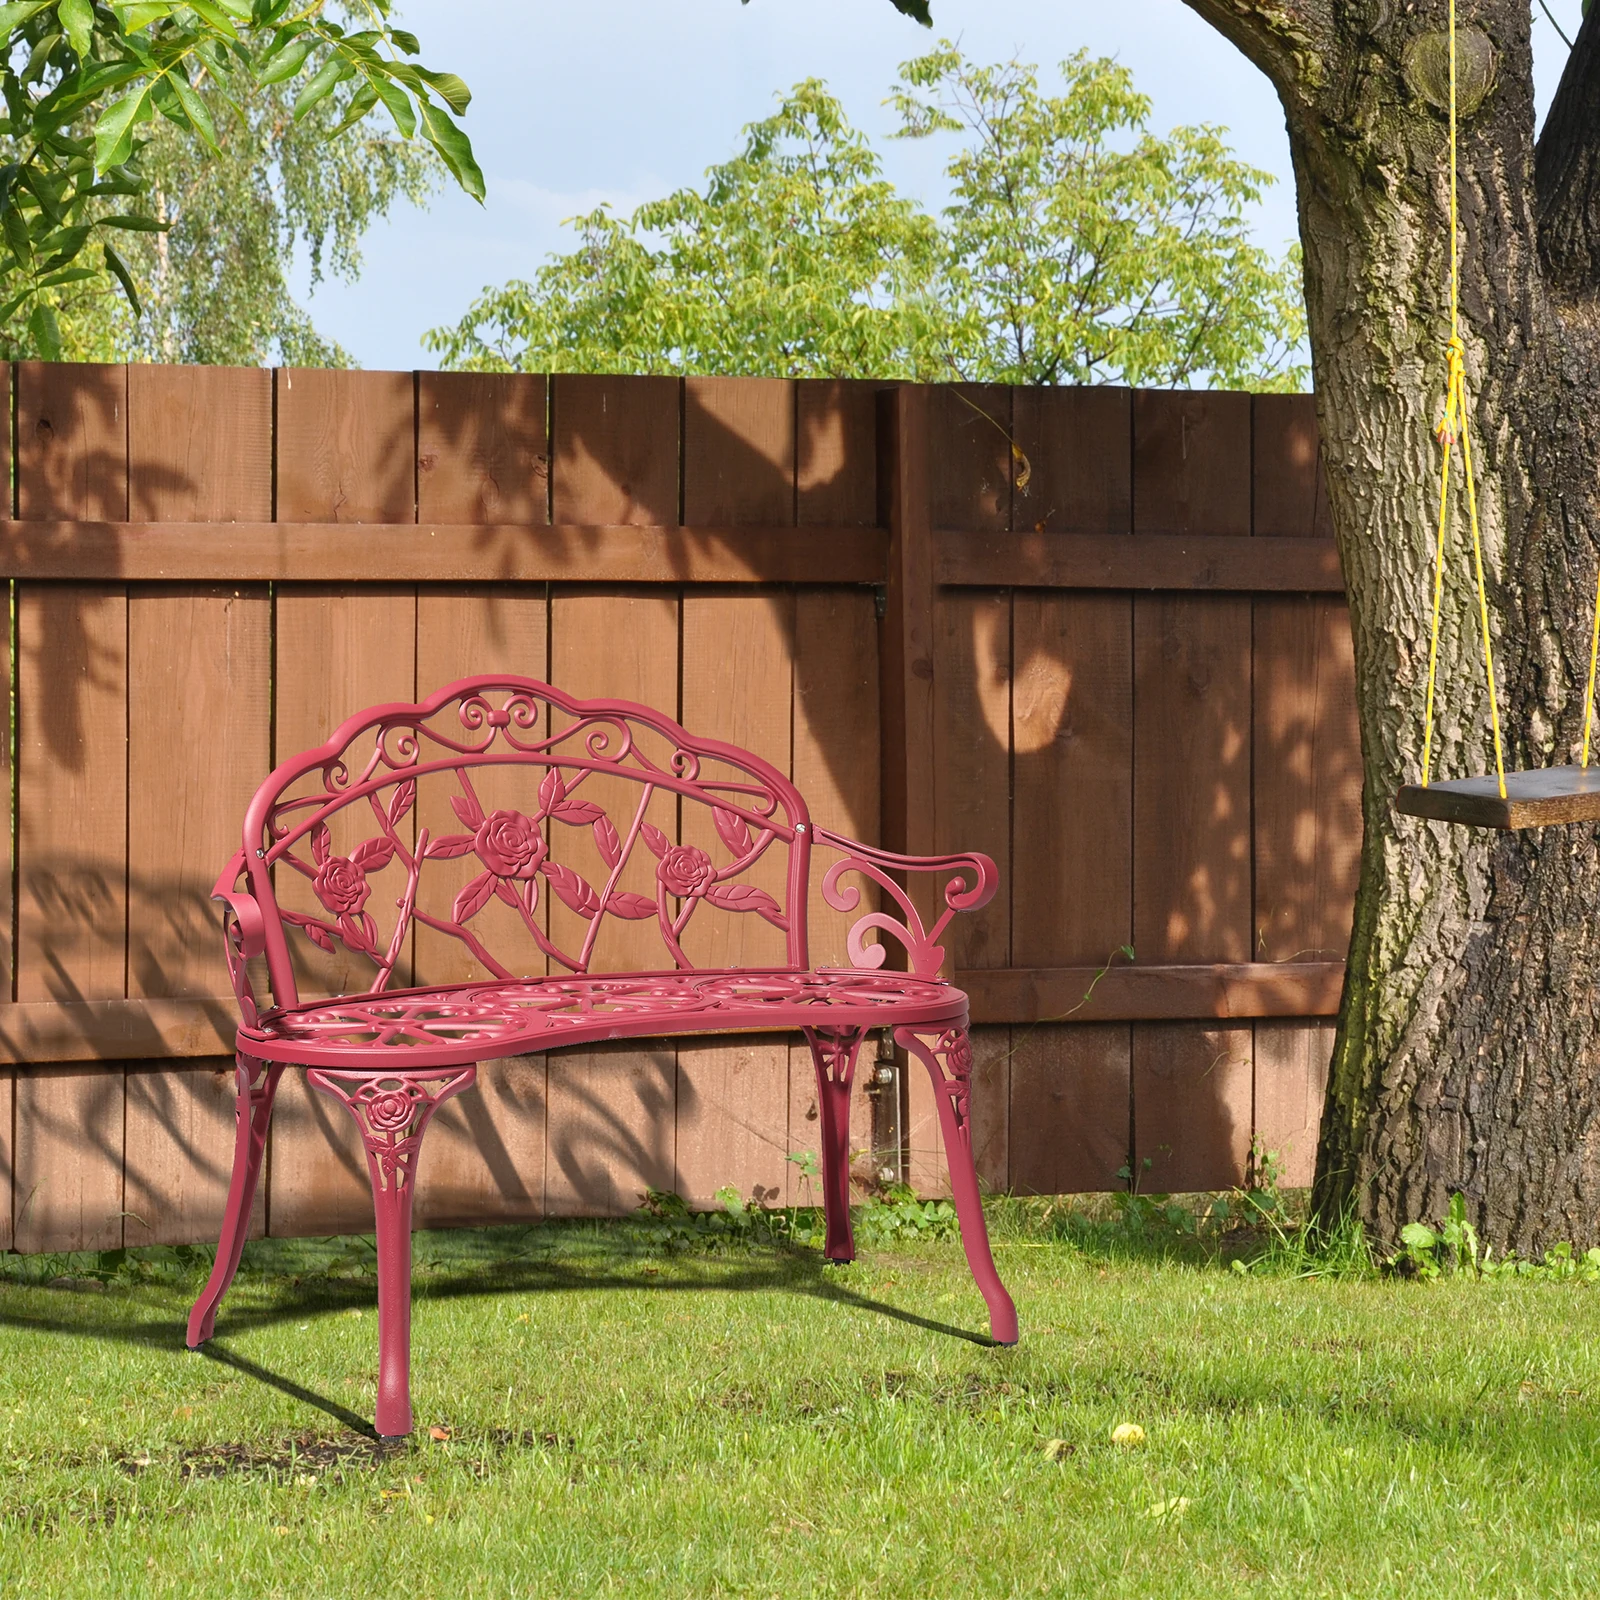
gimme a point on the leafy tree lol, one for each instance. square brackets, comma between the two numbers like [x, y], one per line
[215, 282]
[1063, 257]
[86, 84]
[797, 259]
[1080, 247]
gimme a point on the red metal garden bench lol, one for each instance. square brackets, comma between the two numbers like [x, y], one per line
[347, 827]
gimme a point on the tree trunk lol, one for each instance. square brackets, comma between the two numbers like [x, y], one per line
[1468, 1051]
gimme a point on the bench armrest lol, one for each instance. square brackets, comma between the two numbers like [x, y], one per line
[243, 932]
[970, 882]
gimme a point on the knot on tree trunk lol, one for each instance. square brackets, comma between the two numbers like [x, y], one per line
[1426, 66]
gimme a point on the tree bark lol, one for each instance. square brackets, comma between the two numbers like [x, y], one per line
[1467, 1058]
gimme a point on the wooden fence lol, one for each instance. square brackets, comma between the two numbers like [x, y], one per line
[1097, 633]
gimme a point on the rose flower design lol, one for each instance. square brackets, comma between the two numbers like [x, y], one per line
[510, 845]
[959, 1056]
[341, 886]
[389, 1112]
[686, 871]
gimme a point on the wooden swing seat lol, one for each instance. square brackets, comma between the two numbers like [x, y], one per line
[1535, 799]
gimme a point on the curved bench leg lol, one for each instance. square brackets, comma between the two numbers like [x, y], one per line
[833, 1050]
[258, 1085]
[949, 1062]
[392, 1111]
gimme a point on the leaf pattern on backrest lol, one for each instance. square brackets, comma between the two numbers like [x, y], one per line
[561, 837]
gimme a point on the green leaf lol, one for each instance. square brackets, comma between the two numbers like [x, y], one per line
[18, 240]
[63, 245]
[46, 330]
[119, 269]
[134, 223]
[361, 102]
[397, 102]
[287, 62]
[332, 71]
[1418, 1236]
[454, 146]
[451, 89]
[193, 107]
[405, 41]
[66, 275]
[77, 20]
[113, 133]
[13, 16]
[136, 18]
[216, 16]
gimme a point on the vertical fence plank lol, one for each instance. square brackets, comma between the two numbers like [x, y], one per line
[72, 462]
[611, 1128]
[1307, 758]
[8, 1101]
[180, 1152]
[1192, 1099]
[72, 716]
[614, 459]
[1289, 489]
[484, 1160]
[1307, 780]
[462, 631]
[345, 452]
[732, 1118]
[483, 455]
[1069, 1107]
[199, 742]
[838, 749]
[7, 818]
[346, 446]
[614, 450]
[483, 452]
[1192, 743]
[1072, 736]
[836, 453]
[68, 1158]
[992, 1063]
[1078, 446]
[737, 685]
[1291, 1077]
[969, 488]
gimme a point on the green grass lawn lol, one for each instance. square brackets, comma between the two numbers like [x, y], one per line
[628, 1420]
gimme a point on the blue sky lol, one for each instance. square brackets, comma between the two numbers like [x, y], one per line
[623, 100]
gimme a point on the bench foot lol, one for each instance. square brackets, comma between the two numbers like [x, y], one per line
[392, 1111]
[258, 1086]
[948, 1057]
[833, 1051]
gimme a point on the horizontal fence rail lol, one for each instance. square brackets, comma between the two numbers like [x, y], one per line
[1099, 634]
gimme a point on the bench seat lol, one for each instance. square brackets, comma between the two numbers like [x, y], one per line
[463, 1023]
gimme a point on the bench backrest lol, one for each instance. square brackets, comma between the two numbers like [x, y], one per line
[501, 828]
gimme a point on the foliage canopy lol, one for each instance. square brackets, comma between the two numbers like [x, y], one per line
[1078, 247]
[87, 86]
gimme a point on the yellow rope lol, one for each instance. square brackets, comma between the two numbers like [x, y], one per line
[1594, 656]
[1453, 426]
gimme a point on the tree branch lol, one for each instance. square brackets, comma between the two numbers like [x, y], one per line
[1567, 168]
[1295, 42]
